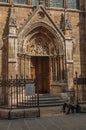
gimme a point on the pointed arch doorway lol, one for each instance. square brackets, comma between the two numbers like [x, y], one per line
[40, 69]
[45, 56]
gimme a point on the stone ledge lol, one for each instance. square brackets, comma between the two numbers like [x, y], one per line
[19, 113]
[4, 113]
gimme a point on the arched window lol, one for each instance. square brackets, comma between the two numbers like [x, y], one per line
[73, 4]
[20, 1]
[56, 3]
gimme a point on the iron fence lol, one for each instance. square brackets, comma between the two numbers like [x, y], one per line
[13, 93]
[80, 86]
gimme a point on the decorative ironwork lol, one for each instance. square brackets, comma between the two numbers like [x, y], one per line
[80, 85]
[12, 93]
[80, 81]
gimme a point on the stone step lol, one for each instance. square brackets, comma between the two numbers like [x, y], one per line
[46, 100]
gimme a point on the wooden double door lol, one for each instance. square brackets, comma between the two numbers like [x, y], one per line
[40, 69]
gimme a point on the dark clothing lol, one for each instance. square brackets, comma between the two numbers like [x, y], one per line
[78, 108]
[65, 105]
[69, 106]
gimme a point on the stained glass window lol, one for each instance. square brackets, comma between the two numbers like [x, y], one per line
[3, 1]
[56, 3]
[44, 2]
[73, 4]
[35, 2]
[20, 1]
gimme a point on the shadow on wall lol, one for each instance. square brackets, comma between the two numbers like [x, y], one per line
[82, 36]
[5, 48]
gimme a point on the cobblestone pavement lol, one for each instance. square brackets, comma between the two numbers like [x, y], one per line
[48, 120]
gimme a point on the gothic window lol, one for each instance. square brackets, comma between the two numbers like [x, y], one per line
[56, 3]
[73, 4]
[20, 1]
[3, 0]
[44, 2]
[35, 2]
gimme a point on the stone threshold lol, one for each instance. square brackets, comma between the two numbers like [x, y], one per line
[19, 113]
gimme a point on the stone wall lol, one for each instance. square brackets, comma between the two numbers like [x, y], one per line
[78, 33]
[19, 113]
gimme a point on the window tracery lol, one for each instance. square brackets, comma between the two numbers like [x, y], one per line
[73, 4]
[35, 2]
[56, 3]
[3, 0]
[20, 1]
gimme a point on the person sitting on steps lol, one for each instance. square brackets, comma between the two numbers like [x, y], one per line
[69, 105]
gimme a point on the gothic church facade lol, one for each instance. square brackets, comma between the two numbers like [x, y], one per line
[44, 40]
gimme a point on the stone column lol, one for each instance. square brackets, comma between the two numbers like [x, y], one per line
[50, 68]
[12, 45]
[26, 65]
[0, 63]
[60, 66]
[63, 66]
[29, 73]
[68, 50]
[69, 61]
[57, 68]
[54, 68]
[47, 3]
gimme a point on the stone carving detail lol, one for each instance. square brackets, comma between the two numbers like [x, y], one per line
[38, 48]
[67, 22]
[12, 20]
[41, 14]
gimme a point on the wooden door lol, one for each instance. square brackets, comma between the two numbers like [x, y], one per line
[41, 71]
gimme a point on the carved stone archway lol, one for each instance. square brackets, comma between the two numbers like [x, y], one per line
[40, 36]
[43, 45]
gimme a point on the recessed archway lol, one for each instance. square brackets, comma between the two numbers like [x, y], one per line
[45, 48]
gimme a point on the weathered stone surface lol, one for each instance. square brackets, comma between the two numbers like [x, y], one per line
[19, 113]
[4, 113]
[23, 15]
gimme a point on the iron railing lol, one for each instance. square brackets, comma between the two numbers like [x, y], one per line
[13, 93]
[80, 86]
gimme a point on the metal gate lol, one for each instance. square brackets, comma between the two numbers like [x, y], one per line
[18, 93]
[80, 85]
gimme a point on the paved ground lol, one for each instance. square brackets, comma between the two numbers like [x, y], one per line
[49, 119]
